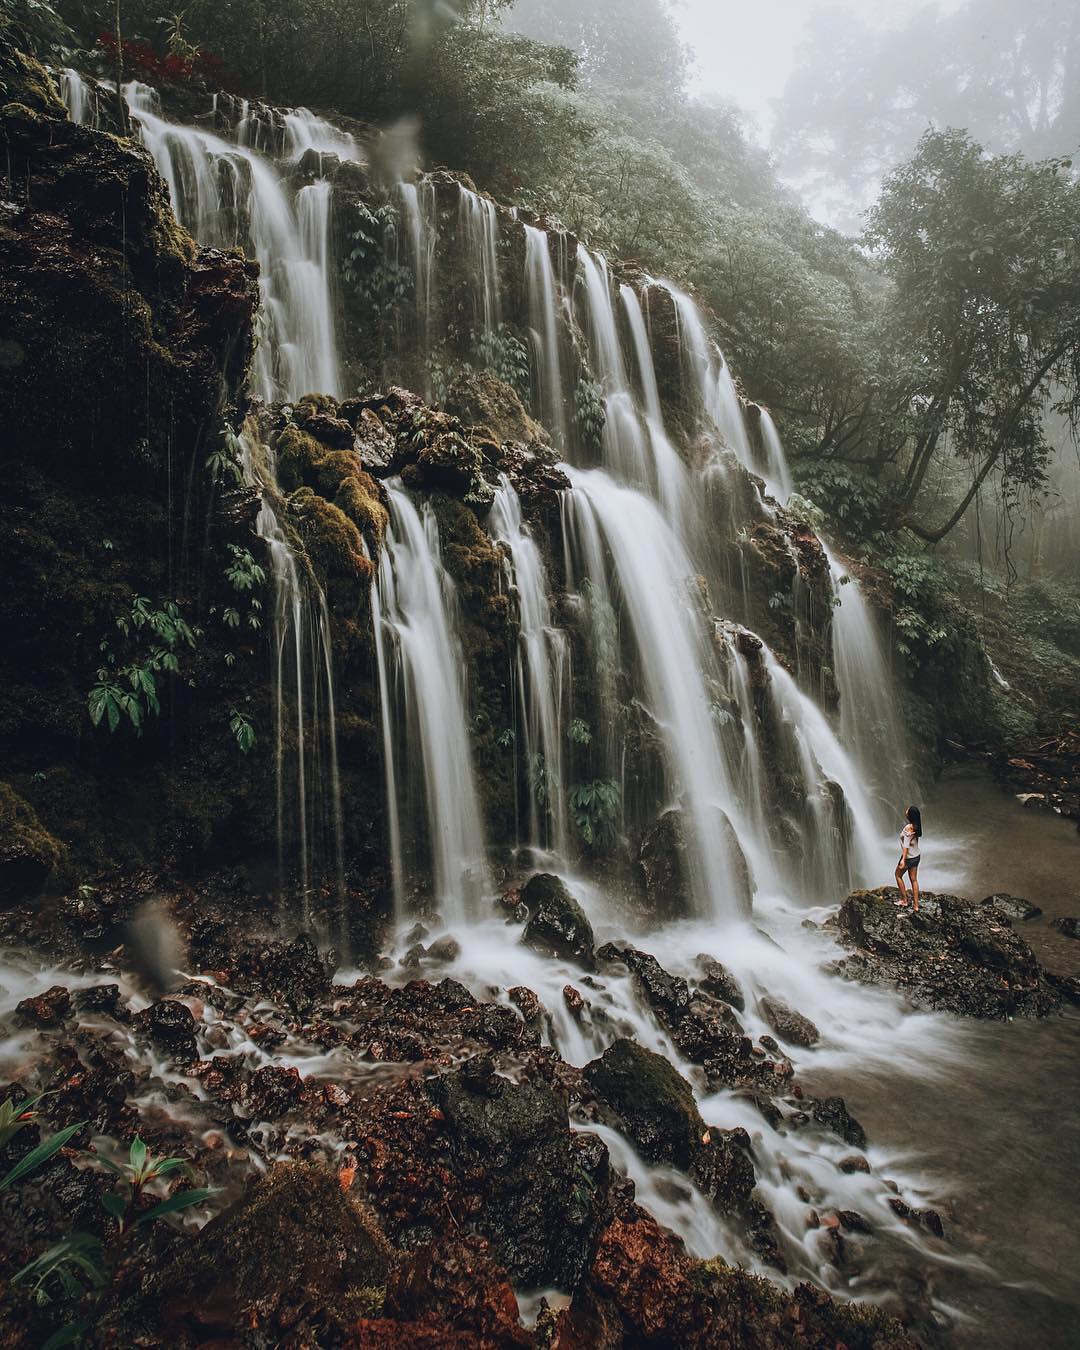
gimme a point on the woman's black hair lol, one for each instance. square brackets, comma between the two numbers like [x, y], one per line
[915, 816]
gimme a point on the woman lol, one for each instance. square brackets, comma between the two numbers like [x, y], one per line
[910, 854]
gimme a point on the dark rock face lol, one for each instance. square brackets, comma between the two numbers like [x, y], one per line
[1068, 926]
[717, 980]
[832, 1112]
[651, 1099]
[170, 1025]
[642, 1289]
[501, 1158]
[953, 955]
[292, 1259]
[1012, 907]
[557, 923]
[45, 1010]
[455, 1286]
[290, 972]
[666, 868]
[788, 1024]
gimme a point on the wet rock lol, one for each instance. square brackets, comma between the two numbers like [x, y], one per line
[28, 852]
[272, 1091]
[293, 1260]
[667, 995]
[526, 1002]
[1011, 906]
[416, 934]
[456, 1286]
[666, 870]
[789, 1025]
[853, 1221]
[413, 958]
[1068, 926]
[169, 1025]
[832, 1112]
[652, 1101]
[444, 950]
[642, 1289]
[574, 999]
[723, 1169]
[288, 972]
[717, 980]
[99, 998]
[1068, 986]
[557, 923]
[953, 955]
[854, 1162]
[45, 1010]
[525, 1188]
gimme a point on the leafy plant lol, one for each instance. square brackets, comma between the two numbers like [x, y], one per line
[131, 691]
[590, 415]
[37, 1156]
[579, 732]
[594, 809]
[135, 1175]
[243, 573]
[242, 729]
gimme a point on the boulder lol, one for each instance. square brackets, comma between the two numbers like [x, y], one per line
[716, 979]
[653, 1102]
[456, 1286]
[1069, 926]
[953, 956]
[557, 924]
[293, 1260]
[1011, 906]
[667, 872]
[789, 1025]
[832, 1112]
[28, 852]
[45, 1010]
[169, 1025]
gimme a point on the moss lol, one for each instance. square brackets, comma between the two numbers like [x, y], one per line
[29, 854]
[358, 497]
[26, 80]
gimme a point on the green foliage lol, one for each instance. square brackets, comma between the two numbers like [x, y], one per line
[129, 691]
[506, 355]
[920, 617]
[590, 414]
[135, 1175]
[832, 490]
[242, 729]
[579, 732]
[594, 809]
[243, 573]
[16, 1115]
[74, 1255]
[49, 36]
[222, 465]
[37, 1156]
[381, 282]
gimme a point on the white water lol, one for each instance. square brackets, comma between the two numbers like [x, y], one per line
[305, 131]
[230, 196]
[775, 469]
[871, 722]
[417, 608]
[418, 206]
[541, 673]
[479, 229]
[548, 388]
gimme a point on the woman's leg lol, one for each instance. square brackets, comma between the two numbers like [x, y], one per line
[913, 877]
[899, 875]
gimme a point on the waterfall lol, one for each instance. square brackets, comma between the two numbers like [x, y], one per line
[305, 726]
[80, 98]
[388, 697]
[304, 131]
[709, 376]
[478, 226]
[418, 204]
[635, 448]
[871, 725]
[775, 469]
[418, 614]
[541, 673]
[548, 391]
[229, 196]
[655, 579]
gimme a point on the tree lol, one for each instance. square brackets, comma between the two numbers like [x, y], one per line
[984, 319]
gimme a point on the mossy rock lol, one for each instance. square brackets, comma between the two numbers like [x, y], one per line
[29, 854]
[652, 1100]
[292, 1239]
[25, 80]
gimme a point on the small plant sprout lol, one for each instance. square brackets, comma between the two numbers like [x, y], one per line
[135, 1175]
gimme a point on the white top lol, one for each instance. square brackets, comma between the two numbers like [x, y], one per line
[911, 841]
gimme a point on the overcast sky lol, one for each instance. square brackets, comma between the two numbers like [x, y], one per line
[745, 49]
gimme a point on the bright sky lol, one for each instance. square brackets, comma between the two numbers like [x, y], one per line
[745, 49]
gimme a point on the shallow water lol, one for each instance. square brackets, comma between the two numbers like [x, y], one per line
[1000, 1137]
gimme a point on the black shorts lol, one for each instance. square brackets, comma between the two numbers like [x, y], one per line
[909, 866]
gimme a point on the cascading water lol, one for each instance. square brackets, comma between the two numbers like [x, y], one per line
[305, 726]
[229, 196]
[304, 131]
[635, 448]
[544, 332]
[871, 724]
[417, 611]
[478, 224]
[541, 674]
[418, 205]
[775, 467]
